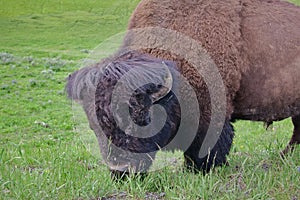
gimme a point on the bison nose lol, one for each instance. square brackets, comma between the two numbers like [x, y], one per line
[121, 168]
[119, 172]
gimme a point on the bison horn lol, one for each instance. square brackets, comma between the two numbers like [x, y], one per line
[167, 84]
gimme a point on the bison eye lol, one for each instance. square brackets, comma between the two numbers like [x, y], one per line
[140, 98]
[139, 109]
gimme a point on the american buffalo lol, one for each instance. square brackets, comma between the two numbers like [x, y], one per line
[255, 45]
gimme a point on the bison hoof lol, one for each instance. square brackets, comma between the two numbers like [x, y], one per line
[289, 149]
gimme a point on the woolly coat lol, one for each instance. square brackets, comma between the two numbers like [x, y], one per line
[255, 45]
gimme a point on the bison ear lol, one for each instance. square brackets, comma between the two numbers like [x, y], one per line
[167, 80]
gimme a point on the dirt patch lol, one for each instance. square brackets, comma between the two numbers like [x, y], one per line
[124, 195]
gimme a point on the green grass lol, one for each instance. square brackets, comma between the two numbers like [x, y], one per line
[60, 28]
[43, 157]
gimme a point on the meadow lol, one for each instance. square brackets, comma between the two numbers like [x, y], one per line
[42, 155]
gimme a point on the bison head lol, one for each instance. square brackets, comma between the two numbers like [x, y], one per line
[130, 106]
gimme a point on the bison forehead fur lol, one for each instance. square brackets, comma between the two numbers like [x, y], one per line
[255, 45]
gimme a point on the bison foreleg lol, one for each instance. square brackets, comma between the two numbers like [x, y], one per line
[216, 157]
[295, 137]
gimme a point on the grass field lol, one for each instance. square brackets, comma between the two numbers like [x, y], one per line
[43, 157]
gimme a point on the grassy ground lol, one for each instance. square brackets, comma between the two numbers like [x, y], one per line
[43, 157]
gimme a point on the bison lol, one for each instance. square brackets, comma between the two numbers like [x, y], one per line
[255, 47]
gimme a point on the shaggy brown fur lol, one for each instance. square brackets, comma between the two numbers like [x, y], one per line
[215, 24]
[270, 87]
[255, 44]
